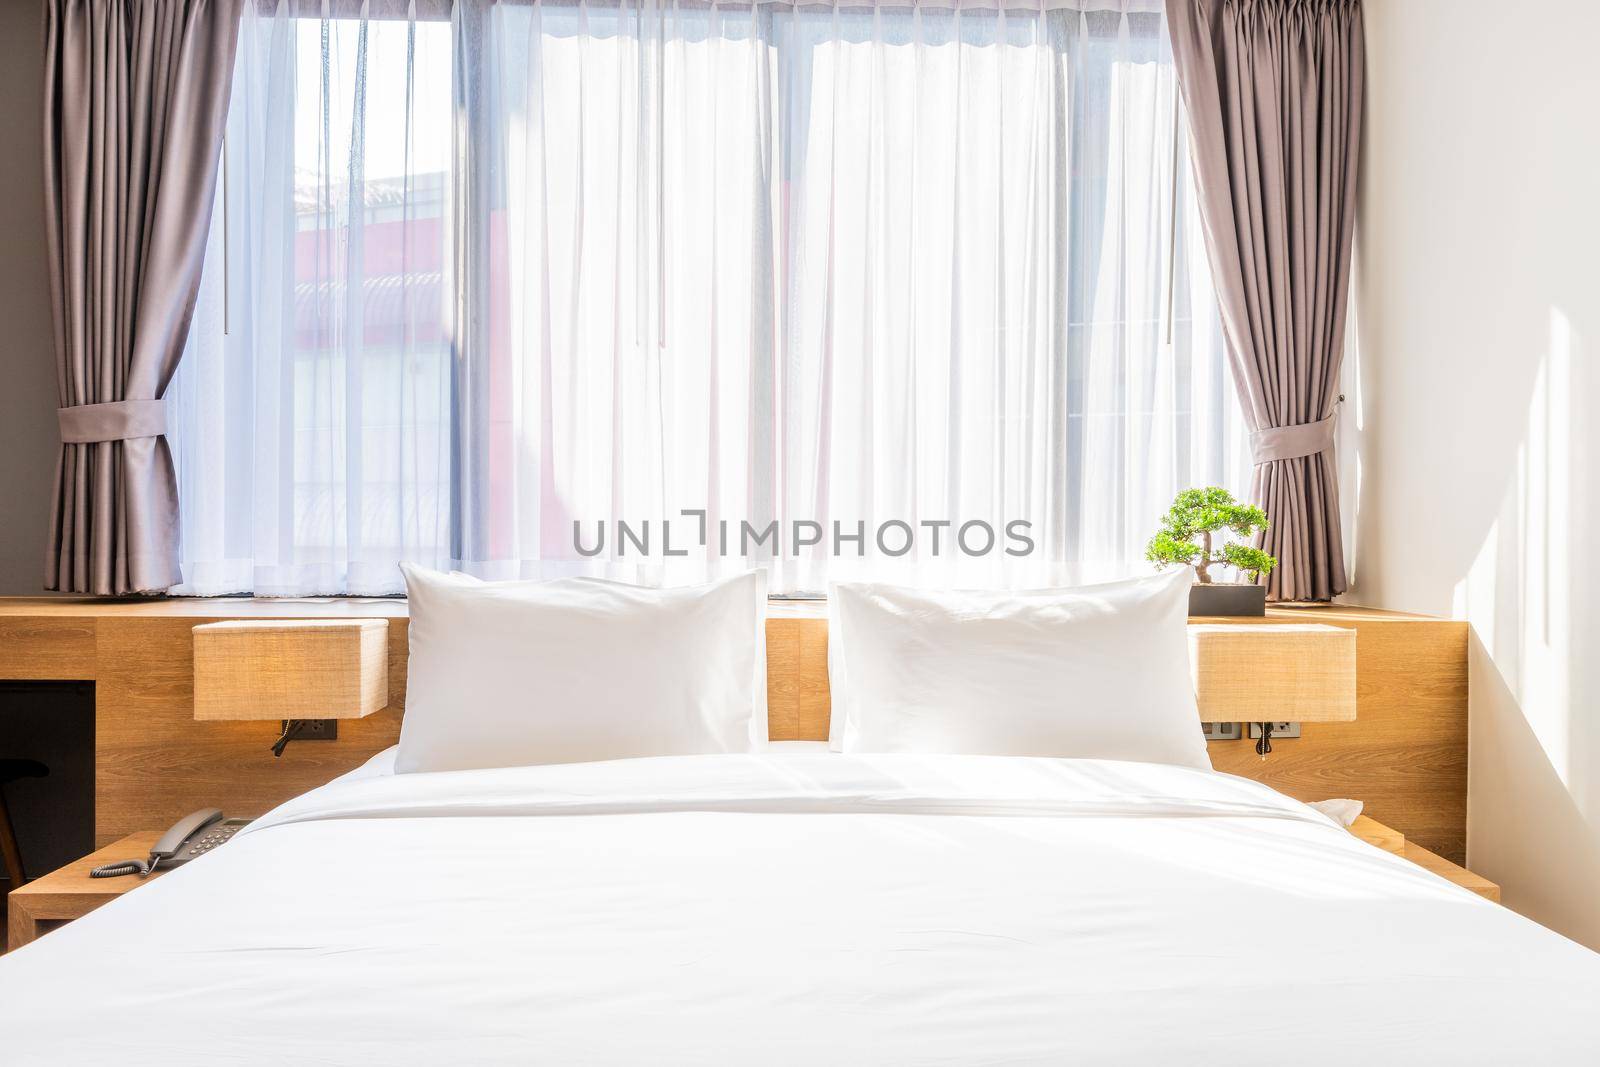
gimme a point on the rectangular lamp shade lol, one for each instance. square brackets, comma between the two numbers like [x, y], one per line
[291, 669]
[1274, 673]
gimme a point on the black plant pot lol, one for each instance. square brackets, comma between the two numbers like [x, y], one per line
[1224, 598]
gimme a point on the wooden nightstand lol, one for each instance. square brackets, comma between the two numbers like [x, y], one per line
[69, 893]
[1375, 833]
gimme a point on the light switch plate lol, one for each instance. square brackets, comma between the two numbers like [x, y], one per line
[1220, 731]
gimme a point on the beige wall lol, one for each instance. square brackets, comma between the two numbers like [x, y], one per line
[27, 359]
[1478, 324]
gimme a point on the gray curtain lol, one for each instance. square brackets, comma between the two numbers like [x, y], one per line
[1273, 91]
[136, 93]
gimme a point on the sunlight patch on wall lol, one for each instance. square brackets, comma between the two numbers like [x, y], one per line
[1517, 593]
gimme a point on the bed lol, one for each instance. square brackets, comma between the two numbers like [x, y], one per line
[800, 906]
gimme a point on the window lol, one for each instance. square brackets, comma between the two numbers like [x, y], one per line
[499, 287]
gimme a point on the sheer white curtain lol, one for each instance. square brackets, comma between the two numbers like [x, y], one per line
[617, 213]
[803, 264]
[313, 405]
[976, 286]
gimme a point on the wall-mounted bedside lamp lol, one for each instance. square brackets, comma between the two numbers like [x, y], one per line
[1266, 673]
[308, 673]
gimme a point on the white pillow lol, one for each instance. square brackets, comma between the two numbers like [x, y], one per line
[512, 673]
[1100, 672]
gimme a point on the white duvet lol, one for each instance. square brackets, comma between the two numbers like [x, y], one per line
[800, 908]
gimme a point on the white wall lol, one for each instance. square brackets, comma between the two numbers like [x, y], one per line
[28, 441]
[1478, 325]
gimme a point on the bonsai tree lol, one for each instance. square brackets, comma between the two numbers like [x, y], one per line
[1186, 529]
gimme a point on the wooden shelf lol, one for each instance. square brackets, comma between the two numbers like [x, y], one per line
[1375, 833]
[69, 893]
[395, 608]
[1452, 872]
[1405, 754]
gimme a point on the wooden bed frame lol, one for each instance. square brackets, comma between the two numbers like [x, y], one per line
[1405, 755]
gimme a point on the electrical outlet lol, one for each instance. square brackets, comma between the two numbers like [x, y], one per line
[313, 729]
[1279, 730]
[1220, 731]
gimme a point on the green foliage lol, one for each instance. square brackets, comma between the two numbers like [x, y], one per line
[1165, 548]
[1248, 559]
[1196, 514]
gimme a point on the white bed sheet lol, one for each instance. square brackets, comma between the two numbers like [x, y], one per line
[800, 907]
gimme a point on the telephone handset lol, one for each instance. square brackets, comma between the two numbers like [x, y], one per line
[190, 837]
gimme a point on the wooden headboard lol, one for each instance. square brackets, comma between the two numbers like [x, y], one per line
[1405, 755]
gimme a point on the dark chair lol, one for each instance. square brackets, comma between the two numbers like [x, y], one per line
[10, 771]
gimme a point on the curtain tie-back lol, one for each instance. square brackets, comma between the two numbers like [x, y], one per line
[1292, 442]
[118, 420]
